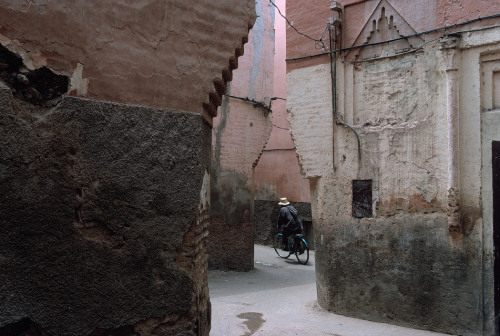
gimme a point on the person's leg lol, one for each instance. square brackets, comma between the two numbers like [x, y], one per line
[284, 238]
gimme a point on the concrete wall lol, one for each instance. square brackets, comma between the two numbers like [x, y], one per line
[239, 135]
[416, 259]
[105, 204]
[488, 60]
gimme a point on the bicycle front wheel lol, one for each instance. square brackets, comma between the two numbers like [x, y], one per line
[278, 241]
[302, 251]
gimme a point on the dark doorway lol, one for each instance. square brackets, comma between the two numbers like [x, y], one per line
[495, 160]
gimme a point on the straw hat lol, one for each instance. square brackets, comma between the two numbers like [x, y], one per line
[283, 201]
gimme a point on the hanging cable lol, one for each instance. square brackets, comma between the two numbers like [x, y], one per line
[396, 39]
[286, 129]
[253, 102]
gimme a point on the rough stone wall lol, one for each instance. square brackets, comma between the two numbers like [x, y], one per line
[486, 60]
[239, 136]
[240, 133]
[416, 259]
[105, 205]
[92, 229]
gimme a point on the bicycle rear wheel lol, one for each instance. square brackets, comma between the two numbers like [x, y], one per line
[278, 241]
[302, 251]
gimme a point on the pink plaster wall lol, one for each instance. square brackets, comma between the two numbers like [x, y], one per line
[277, 173]
[244, 130]
[130, 49]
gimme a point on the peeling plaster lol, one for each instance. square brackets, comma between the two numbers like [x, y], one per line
[205, 193]
[32, 59]
[78, 83]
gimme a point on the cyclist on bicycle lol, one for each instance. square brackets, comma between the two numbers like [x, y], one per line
[288, 221]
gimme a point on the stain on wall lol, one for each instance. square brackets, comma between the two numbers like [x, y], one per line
[104, 203]
[148, 52]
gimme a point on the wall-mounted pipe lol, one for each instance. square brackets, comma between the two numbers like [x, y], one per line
[332, 29]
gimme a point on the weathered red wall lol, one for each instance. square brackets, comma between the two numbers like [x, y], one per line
[422, 255]
[145, 52]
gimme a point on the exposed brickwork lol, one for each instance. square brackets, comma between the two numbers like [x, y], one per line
[192, 257]
[230, 245]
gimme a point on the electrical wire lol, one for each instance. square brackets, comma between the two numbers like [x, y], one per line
[275, 149]
[419, 47]
[253, 102]
[396, 39]
[393, 55]
[286, 129]
[260, 104]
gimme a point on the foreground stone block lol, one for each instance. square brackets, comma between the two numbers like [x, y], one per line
[102, 221]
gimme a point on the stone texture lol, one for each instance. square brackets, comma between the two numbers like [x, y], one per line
[231, 224]
[401, 270]
[92, 218]
[105, 206]
[405, 154]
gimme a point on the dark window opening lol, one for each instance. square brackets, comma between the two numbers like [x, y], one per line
[362, 198]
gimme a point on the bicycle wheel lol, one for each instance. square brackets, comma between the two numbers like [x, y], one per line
[278, 241]
[302, 251]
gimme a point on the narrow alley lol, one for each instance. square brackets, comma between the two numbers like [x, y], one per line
[278, 297]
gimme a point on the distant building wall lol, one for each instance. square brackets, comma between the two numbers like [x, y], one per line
[403, 233]
[105, 192]
[278, 173]
[240, 132]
